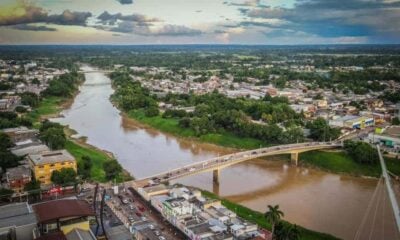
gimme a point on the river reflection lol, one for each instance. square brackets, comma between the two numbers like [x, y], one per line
[321, 201]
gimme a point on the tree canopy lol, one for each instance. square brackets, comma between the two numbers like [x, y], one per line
[112, 169]
[52, 134]
[64, 177]
[361, 152]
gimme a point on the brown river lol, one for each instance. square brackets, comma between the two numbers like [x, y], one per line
[314, 199]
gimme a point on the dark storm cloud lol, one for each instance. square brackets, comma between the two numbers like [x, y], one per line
[111, 19]
[69, 18]
[27, 27]
[332, 18]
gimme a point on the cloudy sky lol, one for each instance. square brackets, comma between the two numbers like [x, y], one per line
[199, 21]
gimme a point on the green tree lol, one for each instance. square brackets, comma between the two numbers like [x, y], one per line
[64, 177]
[29, 98]
[321, 131]
[151, 111]
[273, 216]
[361, 152]
[396, 121]
[112, 169]
[5, 194]
[5, 142]
[84, 167]
[32, 185]
[286, 231]
[35, 81]
[54, 138]
[20, 109]
[7, 159]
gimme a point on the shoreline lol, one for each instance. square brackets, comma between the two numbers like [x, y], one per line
[139, 122]
[258, 218]
[53, 107]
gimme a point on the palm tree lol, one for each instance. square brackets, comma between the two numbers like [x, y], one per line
[273, 216]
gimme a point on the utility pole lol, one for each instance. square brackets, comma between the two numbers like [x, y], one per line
[101, 213]
[96, 189]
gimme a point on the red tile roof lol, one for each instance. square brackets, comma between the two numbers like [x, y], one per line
[53, 210]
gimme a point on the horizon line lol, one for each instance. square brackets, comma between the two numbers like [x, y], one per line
[200, 44]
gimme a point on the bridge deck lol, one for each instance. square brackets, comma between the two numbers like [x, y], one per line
[231, 159]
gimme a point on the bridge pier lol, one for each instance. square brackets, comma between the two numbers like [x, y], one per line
[294, 157]
[216, 173]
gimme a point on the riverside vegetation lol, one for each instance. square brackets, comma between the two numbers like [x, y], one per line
[230, 123]
[62, 89]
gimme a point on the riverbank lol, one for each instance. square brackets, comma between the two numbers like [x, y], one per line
[51, 107]
[146, 151]
[259, 219]
[171, 126]
[338, 162]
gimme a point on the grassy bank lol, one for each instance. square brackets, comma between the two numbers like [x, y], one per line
[331, 161]
[258, 218]
[48, 106]
[170, 125]
[51, 107]
[340, 162]
[98, 158]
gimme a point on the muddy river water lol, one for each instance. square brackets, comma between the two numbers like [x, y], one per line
[314, 199]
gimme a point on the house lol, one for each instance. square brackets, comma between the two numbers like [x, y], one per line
[4, 104]
[16, 178]
[63, 215]
[44, 163]
[352, 121]
[20, 134]
[17, 221]
[28, 147]
[388, 137]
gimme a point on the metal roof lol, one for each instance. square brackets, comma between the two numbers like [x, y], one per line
[57, 209]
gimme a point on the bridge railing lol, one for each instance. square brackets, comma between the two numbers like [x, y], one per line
[214, 162]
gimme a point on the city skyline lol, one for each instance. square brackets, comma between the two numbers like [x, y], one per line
[199, 22]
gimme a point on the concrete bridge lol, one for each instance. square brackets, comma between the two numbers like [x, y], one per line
[218, 163]
[95, 70]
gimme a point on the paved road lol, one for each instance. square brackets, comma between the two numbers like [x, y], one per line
[127, 208]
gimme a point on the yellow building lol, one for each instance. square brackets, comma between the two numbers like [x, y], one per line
[44, 163]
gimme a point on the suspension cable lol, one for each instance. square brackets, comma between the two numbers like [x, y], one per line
[358, 233]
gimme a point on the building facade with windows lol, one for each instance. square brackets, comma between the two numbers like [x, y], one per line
[16, 178]
[44, 163]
